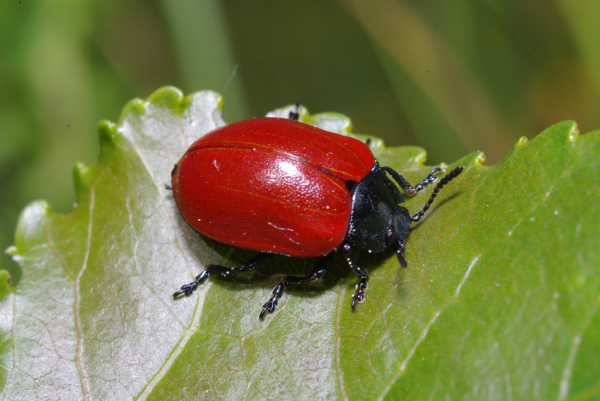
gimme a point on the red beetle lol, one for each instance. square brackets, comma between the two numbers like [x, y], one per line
[278, 186]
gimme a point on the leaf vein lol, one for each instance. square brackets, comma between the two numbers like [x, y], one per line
[76, 303]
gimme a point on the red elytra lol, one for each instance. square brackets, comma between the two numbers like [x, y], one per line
[271, 185]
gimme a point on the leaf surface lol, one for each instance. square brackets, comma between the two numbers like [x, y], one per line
[500, 299]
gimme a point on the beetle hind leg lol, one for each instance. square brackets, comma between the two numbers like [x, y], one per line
[321, 268]
[187, 289]
[361, 272]
[210, 270]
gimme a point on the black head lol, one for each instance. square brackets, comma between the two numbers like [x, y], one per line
[376, 219]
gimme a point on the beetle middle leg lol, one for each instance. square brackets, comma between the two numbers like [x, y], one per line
[405, 185]
[210, 270]
[321, 268]
[362, 274]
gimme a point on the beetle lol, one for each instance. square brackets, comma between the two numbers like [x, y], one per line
[278, 186]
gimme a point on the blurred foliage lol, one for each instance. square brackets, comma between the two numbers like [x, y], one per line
[452, 77]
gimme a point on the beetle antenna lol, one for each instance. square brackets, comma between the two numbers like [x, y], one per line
[447, 178]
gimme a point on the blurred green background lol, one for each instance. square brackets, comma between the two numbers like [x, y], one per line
[452, 77]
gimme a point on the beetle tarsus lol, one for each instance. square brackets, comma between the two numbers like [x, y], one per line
[253, 263]
[272, 303]
[360, 271]
[359, 296]
[400, 253]
[447, 178]
[408, 189]
[430, 179]
[321, 267]
[187, 289]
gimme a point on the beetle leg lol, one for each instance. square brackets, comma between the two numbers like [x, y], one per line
[253, 263]
[362, 274]
[405, 185]
[360, 293]
[447, 178]
[295, 114]
[320, 270]
[400, 253]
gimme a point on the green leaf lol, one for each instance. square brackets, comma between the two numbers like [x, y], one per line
[500, 299]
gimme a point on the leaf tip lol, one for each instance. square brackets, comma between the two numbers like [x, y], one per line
[420, 157]
[573, 132]
[14, 254]
[80, 173]
[11, 251]
[334, 122]
[30, 228]
[168, 97]
[521, 142]
[106, 132]
[473, 159]
[135, 106]
[5, 283]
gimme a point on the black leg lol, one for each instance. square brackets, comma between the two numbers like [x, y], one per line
[400, 253]
[295, 115]
[447, 178]
[405, 185]
[362, 274]
[360, 293]
[253, 263]
[320, 270]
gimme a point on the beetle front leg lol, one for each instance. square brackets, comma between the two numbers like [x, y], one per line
[253, 263]
[400, 253]
[321, 268]
[405, 185]
[362, 274]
